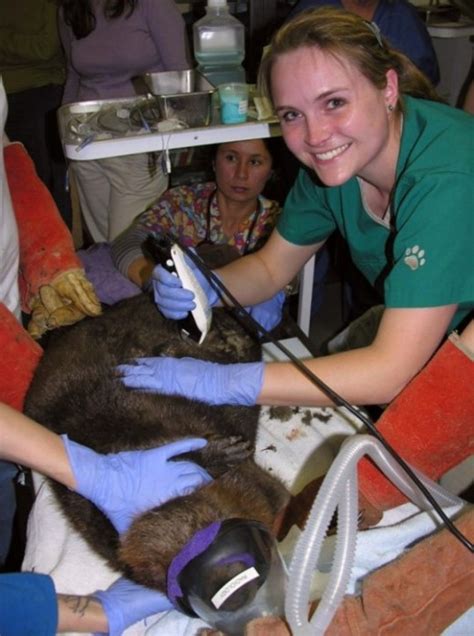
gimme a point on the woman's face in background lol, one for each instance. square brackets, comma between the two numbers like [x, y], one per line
[333, 119]
[242, 169]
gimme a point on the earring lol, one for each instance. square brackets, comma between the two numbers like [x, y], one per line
[390, 107]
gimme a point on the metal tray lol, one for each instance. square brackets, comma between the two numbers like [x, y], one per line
[84, 138]
[81, 123]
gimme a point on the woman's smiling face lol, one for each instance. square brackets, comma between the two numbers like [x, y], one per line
[333, 119]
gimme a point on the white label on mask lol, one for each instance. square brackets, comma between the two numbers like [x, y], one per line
[234, 584]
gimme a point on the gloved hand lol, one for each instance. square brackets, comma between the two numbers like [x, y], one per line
[172, 299]
[268, 313]
[238, 384]
[67, 299]
[126, 484]
[126, 603]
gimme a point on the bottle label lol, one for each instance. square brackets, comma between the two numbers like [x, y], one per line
[234, 111]
[218, 40]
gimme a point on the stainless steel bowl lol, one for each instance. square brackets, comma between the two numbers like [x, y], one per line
[183, 95]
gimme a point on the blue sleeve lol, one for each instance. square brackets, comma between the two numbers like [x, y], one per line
[313, 4]
[28, 605]
[401, 25]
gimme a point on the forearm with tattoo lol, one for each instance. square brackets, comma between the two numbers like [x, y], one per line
[76, 612]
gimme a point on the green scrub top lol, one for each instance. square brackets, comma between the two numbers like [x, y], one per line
[423, 256]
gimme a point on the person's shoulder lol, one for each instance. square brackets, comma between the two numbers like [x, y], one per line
[436, 165]
[440, 131]
[437, 116]
[400, 8]
[188, 192]
[313, 4]
[302, 5]
[199, 189]
[270, 207]
[403, 6]
[401, 13]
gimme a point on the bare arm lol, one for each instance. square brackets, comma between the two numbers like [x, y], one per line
[405, 341]
[140, 271]
[257, 277]
[81, 614]
[23, 441]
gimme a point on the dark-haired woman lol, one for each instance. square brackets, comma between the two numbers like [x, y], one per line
[107, 43]
[230, 210]
[229, 216]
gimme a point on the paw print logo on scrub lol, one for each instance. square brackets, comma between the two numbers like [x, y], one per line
[414, 257]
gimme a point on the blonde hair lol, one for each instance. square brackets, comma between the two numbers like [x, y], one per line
[347, 37]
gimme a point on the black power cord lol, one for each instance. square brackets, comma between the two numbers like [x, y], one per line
[338, 400]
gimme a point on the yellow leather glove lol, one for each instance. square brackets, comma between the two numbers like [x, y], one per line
[66, 300]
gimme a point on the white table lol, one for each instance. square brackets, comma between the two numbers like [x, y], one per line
[159, 142]
[128, 143]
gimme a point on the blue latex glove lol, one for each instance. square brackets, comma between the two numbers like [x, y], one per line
[126, 603]
[238, 384]
[123, 485]
[172, 299]
[268, 313]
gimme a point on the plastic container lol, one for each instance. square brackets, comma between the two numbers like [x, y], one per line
[234, 102]
[219, 44]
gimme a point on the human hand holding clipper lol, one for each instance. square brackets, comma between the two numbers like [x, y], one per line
[179, 287]
[180, 290]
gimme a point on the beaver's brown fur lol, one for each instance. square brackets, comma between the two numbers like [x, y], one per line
[76, 391]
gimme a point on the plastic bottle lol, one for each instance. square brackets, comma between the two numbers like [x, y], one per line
[219, 44]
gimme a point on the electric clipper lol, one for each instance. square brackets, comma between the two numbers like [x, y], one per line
[170, 255]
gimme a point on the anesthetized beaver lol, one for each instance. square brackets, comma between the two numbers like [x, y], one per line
[76, 391]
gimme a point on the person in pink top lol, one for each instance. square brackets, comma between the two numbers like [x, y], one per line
[107, 43]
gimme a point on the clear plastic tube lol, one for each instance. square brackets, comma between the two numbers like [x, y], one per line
[339, 490]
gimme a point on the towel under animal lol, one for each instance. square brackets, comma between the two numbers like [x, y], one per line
[76, 391]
